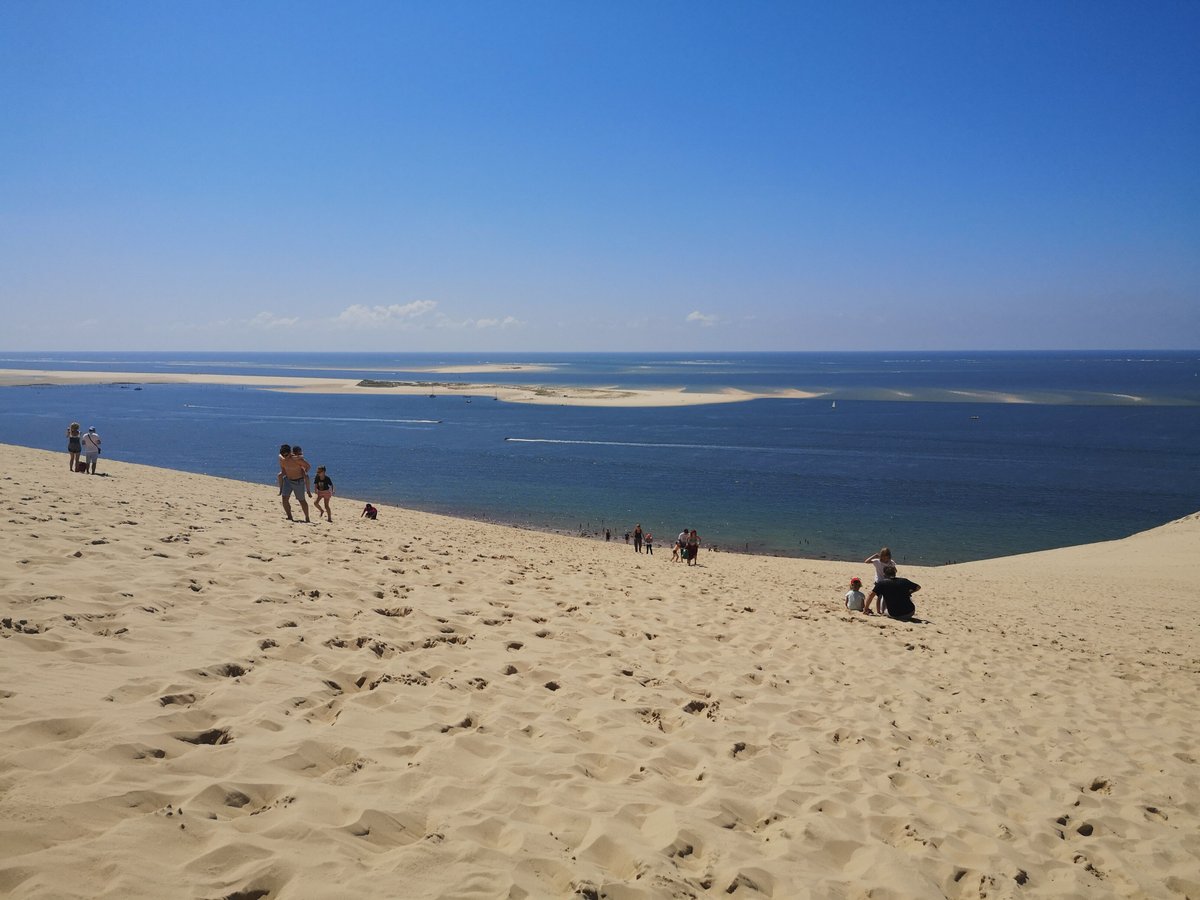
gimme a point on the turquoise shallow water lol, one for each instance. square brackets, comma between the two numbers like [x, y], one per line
[937, 480]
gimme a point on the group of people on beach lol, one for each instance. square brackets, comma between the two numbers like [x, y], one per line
[294, 482]
[641, 539]
[87, 444]
[685, 549]
[891, 594]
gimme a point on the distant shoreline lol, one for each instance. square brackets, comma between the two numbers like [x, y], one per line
[554, 395]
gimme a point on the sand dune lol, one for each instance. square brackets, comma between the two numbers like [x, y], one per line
[199, 699]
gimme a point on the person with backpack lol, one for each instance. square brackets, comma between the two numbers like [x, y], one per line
[91, 449]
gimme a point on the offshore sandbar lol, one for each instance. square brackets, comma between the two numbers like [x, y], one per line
[614, 395]
[558, 395]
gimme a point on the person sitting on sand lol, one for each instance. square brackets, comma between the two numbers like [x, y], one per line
[856, 601]
[295, 482]
[893, 595]
[369, 511]
[324, 485]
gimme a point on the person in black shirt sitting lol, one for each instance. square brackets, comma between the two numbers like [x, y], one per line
[893, 595]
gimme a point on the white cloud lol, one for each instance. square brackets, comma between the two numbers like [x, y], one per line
[358, 314]
[702, 318]
[506, 322]
[270, 320]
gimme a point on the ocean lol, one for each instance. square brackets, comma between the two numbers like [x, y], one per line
[911, 450]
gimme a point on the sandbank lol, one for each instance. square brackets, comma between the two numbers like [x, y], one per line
[550, 395]
[481, 368]
[201, 699]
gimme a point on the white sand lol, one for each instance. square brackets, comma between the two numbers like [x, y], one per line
[489, 367]
[560, 395]
[199, 699]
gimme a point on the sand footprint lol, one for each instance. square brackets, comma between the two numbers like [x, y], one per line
[384, 831]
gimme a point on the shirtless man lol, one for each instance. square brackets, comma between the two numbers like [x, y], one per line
[295, 476]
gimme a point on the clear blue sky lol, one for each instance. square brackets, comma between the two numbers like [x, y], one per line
[599, 176]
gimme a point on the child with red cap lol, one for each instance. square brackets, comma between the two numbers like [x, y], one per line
[856, 601]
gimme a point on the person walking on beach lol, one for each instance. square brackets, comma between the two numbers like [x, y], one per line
[676, 549]
[637, 538]
[649, 543]
[91, 449]
[324, 485]
[74, 446]
[295, 481]
[298, 456]
[893, 595]
[693, 548]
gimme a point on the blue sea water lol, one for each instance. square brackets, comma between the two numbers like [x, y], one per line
[1105, 445]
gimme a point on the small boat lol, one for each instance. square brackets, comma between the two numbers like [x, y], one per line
[833, 405]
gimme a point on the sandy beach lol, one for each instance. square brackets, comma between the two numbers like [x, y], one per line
[199, 699]
[561, 395]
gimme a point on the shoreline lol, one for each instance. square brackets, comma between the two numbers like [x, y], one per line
[596, 536]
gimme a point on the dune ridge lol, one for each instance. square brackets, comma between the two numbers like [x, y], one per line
[200, 699]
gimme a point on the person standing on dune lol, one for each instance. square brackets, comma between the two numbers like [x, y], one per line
[91, 449]
[295, 476]
[74, 446]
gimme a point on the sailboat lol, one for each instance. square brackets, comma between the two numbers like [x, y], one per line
[833, 405]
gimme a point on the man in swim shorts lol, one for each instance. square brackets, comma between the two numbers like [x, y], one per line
[294, 473]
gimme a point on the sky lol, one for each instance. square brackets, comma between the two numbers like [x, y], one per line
[599, 176]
